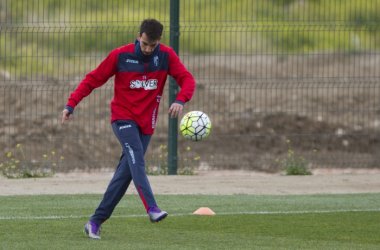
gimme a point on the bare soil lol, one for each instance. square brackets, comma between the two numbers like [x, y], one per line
[324, 181]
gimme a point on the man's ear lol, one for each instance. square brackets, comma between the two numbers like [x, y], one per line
[138, 36]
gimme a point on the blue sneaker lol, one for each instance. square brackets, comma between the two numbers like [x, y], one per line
[92, 230]
[155, 214]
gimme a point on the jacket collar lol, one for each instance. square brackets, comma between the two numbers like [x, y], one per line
[143, 57]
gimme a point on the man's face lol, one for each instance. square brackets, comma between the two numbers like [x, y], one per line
[147, 46]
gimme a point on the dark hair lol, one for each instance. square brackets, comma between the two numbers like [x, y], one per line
[152, 28]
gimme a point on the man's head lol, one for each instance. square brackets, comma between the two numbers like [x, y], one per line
[150, 35]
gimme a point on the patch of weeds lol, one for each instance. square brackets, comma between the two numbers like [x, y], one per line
[13, 168]
[293, 164]
[161, 167]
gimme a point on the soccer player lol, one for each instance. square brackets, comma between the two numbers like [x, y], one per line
[140, 69]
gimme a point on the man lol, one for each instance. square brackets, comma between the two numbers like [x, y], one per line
[140, 71]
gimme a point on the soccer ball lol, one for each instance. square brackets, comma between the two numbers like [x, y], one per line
[195, 126]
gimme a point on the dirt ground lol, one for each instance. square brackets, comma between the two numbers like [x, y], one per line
[331, 181]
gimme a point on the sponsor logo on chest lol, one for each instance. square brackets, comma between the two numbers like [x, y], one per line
[146, 84]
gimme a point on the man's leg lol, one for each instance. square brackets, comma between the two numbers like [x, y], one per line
[115, 191]
[131, 166]
[134, 146]
[155, 214]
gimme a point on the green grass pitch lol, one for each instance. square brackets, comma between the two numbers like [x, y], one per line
[347, 221]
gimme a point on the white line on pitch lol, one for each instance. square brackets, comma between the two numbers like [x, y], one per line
[188, 214]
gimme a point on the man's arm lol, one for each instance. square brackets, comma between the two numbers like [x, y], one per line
[183, 78]
[186, 82]
[94, 79]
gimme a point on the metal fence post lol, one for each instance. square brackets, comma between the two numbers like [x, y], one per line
[173, 90]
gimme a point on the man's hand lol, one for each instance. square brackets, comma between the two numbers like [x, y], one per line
[66, 116]
[175, 110]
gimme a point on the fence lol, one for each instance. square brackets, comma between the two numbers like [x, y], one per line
[272, 75]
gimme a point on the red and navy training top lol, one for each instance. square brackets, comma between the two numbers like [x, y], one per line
[139, 83]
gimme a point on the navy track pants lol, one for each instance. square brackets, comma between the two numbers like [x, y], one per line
[131, 167]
